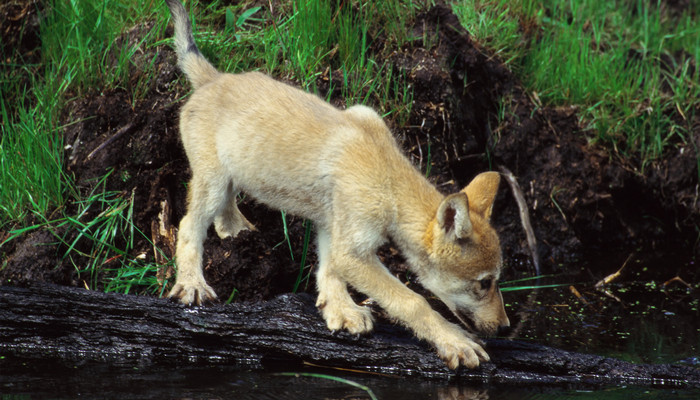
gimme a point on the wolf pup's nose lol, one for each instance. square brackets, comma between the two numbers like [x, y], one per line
[503, 330]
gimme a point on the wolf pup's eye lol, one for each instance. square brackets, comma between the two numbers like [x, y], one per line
[486, 283]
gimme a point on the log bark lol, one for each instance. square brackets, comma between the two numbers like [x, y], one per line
[64, 323]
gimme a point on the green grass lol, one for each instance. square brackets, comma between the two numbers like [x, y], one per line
[311, 40]
[626, 65]
[31, 172]
[99, 241]
[78, 54]
[496, 25]
[304, 268]
[86, 43]
[523, 284]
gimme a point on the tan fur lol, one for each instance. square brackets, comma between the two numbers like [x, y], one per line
[342, 169]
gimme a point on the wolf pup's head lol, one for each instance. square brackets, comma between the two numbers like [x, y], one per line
[464, 256]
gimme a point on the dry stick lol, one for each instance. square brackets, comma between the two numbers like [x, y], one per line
[603, 283]
[524, 216]
[531, 242]
[126, 128]
[608, 279]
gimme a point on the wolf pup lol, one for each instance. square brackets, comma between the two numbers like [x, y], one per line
[343, 170]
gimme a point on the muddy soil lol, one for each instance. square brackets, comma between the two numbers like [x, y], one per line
[582, 199]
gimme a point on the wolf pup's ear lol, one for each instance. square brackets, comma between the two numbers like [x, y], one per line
[481, 192]
[453, 216]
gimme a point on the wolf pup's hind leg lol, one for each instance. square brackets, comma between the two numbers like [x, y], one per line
[230, 221]
[207, 198]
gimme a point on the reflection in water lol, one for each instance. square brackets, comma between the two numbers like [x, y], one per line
[645, 315]
[461, 393]
[23, 379]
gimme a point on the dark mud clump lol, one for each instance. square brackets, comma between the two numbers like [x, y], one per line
[581, 199]
[19, 46]
[19, 30]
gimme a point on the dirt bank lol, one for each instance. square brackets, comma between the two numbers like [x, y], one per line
[582, 199]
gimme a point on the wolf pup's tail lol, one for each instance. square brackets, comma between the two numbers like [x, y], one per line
[198, 70]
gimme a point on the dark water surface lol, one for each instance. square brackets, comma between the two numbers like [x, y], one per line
[645, 315]
[94, 381]
[650, 313]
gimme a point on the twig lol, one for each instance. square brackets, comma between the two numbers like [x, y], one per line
[679, 280]
[612, 296]
[126, 128]
[531, 243]
[601, 285]
[577, 294]
[605, 281]
[524, 216]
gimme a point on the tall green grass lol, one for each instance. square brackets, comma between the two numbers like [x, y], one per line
[498, 25]
[87, 42]
[31, 173]
[307, 41]
[626, 64]
[99, 240]
[77, 55]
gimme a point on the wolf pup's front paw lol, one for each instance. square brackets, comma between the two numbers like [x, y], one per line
[191, 294]
[338, 315]
[464, 351]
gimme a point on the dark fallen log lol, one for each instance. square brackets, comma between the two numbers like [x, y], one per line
[55, 322]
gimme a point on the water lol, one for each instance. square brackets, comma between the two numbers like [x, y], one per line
[95, 381]
[642, 318]
[650, 314]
